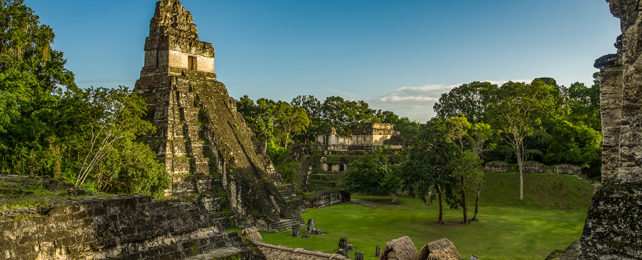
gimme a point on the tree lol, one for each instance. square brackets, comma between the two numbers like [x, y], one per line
[290, 121]
[479, 136]
[463, 163]
[374, 172]
[312, 107]
[467, 169]
[426, 166]
[116, 121]
[33, 87]
[345, 115]
[517, 109]
[468, 100]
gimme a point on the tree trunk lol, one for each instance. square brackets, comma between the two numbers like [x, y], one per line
[394, 197]
[265, 146]
[440, 220]
[521, 174]
[463, 200]
[477, 202]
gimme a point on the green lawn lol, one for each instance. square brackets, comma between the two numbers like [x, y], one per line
[516, 230]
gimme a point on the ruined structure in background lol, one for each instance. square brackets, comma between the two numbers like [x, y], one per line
[613, 228]
[201, 138]
[366, 139]
[337, 152]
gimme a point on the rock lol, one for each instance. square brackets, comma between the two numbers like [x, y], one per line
[532, 166]
[401, 248]
[613, 225]
[378, 251]
[441, 249]
[567, 169]
[343, 244]
[358, 256]
[473, 257]
[496, 166]
[311, 225]
[342, 252]
[572, 252]
[350, 247]
[252, 234]
[295, 231]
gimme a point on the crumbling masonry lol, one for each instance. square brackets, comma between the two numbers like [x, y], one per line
[613, 228]
[201, 138]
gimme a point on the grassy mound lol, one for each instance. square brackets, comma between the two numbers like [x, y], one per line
[541, 190]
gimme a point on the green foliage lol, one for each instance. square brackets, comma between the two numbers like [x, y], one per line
[51, 127]
[426, 167]
[468, 100]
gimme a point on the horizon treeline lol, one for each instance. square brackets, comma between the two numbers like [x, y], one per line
[556, 124]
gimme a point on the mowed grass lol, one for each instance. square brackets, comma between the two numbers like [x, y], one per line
[516, 230]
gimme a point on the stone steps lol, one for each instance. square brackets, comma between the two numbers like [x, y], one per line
[286, 224]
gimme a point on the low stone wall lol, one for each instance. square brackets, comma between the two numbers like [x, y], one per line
[496, 166]
[128, 227]
[326, 198]
[567, 169]
[288, 253]
[532, 166]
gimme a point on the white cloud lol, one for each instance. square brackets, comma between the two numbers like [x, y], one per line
[416, 102]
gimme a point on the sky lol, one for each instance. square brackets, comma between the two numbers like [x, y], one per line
[396, 55]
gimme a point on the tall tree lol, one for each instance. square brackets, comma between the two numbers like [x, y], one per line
[479, 136]
[517, 109]
[312, 107]
[33, 84]
[290, 121]
[426, 167]
[468, 100]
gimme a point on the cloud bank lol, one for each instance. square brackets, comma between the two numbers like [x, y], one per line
[417, 102]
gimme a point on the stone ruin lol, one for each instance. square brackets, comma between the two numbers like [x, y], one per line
[613, 227]
[365, 139]
[201, 138]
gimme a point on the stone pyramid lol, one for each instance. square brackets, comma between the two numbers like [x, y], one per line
[201, 138]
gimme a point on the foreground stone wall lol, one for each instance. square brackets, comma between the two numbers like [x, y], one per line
[128, 227]
[274, 252]
[613, 228]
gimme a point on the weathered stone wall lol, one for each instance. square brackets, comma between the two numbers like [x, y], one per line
[496, 166]
[567, 169]
[326, 198]
[129, 227]
[274, 252]
[613, 228]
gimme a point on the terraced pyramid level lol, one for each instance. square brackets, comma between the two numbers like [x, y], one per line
[201, 138]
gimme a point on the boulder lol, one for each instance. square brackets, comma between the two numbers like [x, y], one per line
[252, 234]
[401, 248]
[441, 249]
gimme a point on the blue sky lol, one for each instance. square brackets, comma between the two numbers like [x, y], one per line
[397, 55]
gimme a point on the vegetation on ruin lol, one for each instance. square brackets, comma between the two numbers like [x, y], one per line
[550, 216]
